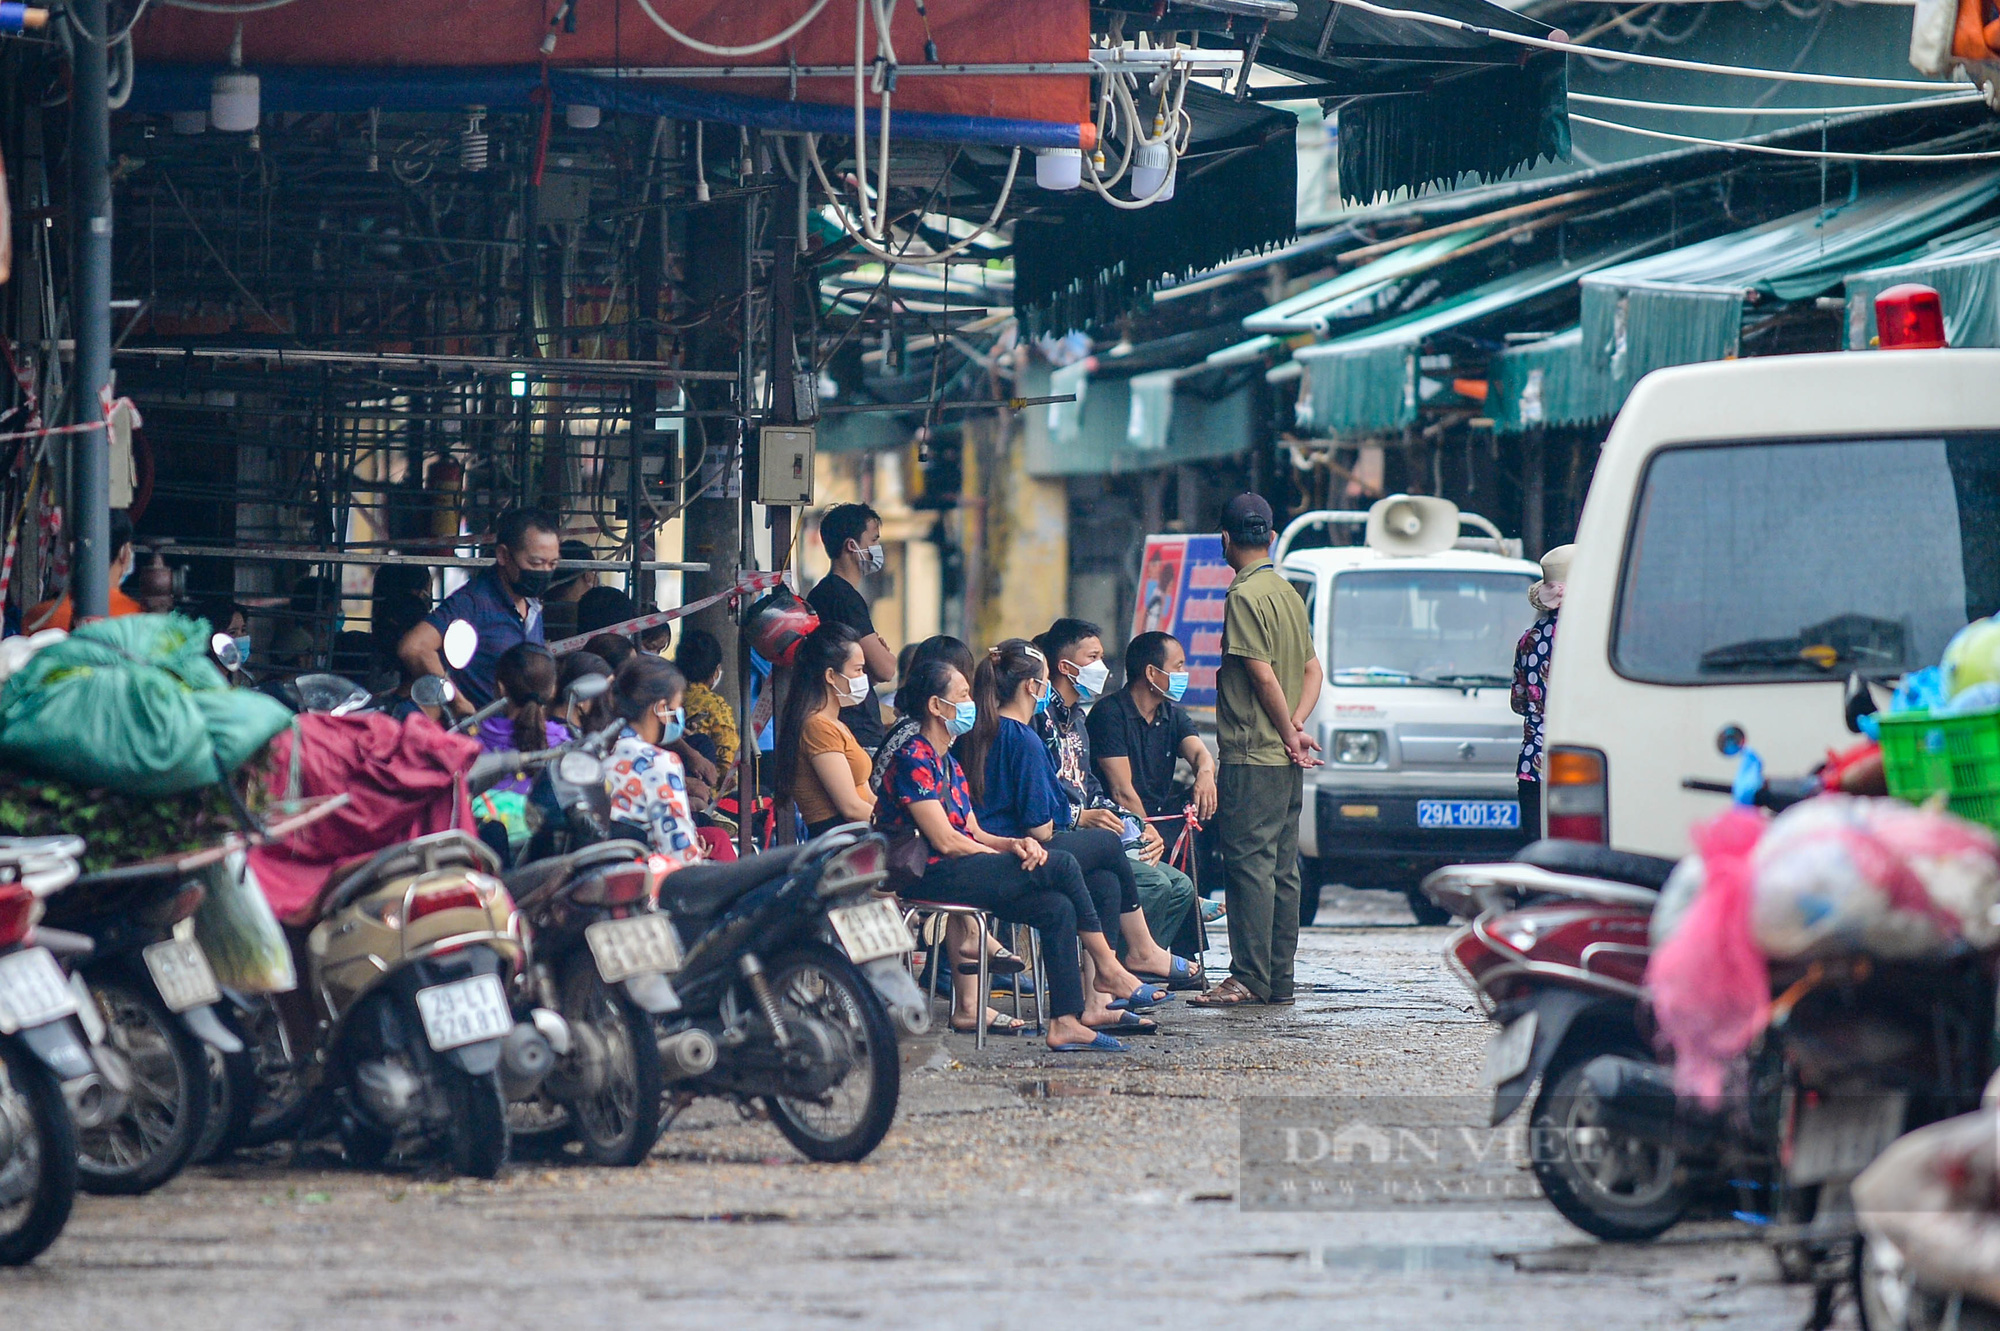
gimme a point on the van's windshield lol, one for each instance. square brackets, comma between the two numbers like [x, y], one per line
[1803, 560]
[1425, 627]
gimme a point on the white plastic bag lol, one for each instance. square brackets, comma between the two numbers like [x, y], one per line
[239, 933]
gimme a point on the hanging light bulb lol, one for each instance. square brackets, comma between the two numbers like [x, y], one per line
[1153, 168]
[472, 140]
[234, 102]
[578, 116]
[1059, 168]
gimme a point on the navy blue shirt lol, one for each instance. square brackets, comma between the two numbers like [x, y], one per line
[486, 604]
[1021, 787]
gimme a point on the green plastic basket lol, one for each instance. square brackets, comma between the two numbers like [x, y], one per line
[1959, 755]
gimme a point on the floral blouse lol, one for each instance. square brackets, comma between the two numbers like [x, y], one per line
[1531, 689]
[648, 790]
[917, 772]
[709, 713]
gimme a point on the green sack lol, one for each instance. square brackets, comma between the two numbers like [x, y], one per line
[133, 704]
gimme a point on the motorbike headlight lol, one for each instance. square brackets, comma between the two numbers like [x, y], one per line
[1357, 747]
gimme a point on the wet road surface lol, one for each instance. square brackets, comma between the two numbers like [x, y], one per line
[1020, 1189]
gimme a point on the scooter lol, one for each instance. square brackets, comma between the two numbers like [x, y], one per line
[1556, 954]
[45, 1061]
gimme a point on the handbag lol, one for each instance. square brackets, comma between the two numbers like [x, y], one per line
[909, 857]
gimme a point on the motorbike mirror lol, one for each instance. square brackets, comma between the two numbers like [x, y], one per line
[461, 641]
[586, 687]
[432, 691]
[331, 695]
[227, 654]
[580, 769]
[1859, 702]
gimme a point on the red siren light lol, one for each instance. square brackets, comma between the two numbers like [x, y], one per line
[1909, 317]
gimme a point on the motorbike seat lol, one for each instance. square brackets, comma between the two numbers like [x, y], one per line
[704, 889]
[425, 854]
[529, 882]
[1593, 861]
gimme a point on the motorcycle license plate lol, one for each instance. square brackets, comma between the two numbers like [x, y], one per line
[464, 1012]
[871, 931]
[181, 974]
[1508, 1050]
[1472, 814]
[635, 946]
[33, 991]
[1838, 1136]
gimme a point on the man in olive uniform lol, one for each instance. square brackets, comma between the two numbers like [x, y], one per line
[1267, 686]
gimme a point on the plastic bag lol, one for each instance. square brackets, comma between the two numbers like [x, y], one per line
[239, 933]
[133, 704]
[1710, 985]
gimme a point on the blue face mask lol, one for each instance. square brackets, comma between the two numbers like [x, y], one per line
[674, 726]
[964, 716]
[1042, 702]
[1176, 684]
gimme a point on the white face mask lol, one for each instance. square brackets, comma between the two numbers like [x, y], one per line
[871, 559]
[850, 689]
[1089, 680]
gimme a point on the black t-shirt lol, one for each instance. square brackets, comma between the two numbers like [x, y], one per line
[834, 599]
[1118, 731]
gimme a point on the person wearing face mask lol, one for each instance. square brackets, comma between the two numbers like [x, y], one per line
[1530, 694]
[924, 794]
[711, 720]
[852, 534]
[821, 768]
[503, 603]
[1074, 649]
[1138, 735]
[648, 788]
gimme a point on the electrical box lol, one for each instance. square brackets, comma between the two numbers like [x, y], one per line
[785, 473]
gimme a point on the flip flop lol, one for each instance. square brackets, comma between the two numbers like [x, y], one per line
[1212, 910]
[1002, 962]
[1185, 975]
[1102, 1044]
[1004, 1025]
[1131, 1023]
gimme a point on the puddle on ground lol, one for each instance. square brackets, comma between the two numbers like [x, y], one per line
[1064, 1090]
[1392, 1258]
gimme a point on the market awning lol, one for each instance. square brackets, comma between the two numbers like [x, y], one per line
[1539, 384]
[1356, 292]
[1964, 266]
[1139, 422]
[1369, 381]
[416, 39]
[1687, 305]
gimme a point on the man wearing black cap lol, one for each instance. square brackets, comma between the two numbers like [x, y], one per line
[1265, 689]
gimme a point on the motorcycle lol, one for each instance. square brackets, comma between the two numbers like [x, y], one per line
[791, 985]
[1556, 955]
[46, 1067]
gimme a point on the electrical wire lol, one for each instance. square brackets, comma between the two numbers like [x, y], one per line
[704, 47]
[1769, 150]
[206, 7]
[921, 260]
[1956, 99]
[1633, 57]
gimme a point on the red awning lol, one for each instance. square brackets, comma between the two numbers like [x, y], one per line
[462, 33]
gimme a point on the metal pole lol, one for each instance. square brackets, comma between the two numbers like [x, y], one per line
[747, 784]
[90, 211]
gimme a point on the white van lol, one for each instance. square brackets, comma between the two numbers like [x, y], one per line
[1756, 532]
[1416, 631]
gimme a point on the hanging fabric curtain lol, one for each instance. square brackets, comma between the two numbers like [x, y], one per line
[1540, 384]
[1964, 267]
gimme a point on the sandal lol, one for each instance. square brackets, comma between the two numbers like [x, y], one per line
[997, 1024]
[1230, 993]
[1102, 1044]
[1131, 1023]
[1185, 974]
[1002, 962]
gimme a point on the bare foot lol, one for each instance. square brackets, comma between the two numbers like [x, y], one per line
[1069, 1030]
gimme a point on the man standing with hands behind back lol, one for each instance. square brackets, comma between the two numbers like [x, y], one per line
[1266, 688]
[852, 535]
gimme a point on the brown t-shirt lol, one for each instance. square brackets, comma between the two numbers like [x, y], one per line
[821, 735]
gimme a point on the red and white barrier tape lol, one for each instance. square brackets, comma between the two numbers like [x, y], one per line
[754, 581]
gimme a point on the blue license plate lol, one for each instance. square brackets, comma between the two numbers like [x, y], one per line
[1468, 813]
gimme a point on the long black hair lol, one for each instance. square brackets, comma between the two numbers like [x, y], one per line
[928, 680]
[1000, 676]
[526, 673]
[826, 648]
[944, 648]
[643, 680]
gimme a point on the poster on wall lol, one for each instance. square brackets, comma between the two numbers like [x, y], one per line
[1183, 581]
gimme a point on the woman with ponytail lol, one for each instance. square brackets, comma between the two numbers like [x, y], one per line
[526, 674]
[822, 769]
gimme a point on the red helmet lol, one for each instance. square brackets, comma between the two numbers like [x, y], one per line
[777, 624]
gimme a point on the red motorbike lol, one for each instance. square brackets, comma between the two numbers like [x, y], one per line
[1556, 954]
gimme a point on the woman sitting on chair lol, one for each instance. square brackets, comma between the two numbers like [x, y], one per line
[822, 769]
[1016, 793]
[1014, 878]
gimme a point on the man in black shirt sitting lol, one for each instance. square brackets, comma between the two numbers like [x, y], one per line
[852, 535]
[1139, 733]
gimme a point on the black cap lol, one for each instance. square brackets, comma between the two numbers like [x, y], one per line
[1247, 520]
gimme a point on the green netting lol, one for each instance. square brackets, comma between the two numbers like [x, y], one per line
[1540, 384]
[1965, 270]
[1686, 305]
[1488, 123]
